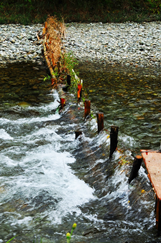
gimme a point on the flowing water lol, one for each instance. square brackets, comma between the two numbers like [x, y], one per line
[49, 179]
[130, 98]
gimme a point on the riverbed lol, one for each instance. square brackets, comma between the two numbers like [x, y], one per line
[49, 179]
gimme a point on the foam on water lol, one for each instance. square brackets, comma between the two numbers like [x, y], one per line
[128, 140]
[120, 188]
[4, 135]
[43, 174]
[36, 175]
[30, 120]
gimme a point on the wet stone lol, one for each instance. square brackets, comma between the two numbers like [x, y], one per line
[17, 43]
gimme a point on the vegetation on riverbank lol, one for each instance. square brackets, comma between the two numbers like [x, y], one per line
[34, 11]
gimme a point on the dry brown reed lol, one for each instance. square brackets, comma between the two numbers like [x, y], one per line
[53, 33]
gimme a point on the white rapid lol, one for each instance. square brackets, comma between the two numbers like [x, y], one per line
[49, 180]
[35, 170]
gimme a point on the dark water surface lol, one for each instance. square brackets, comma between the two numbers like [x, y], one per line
[49, 180]
[129, 98]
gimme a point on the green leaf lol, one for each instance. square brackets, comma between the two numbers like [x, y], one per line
[11, 239]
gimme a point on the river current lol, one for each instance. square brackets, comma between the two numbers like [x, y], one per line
[49, 179]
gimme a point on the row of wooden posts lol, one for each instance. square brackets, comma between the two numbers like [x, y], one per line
[100, 117]
[100, 121]
[100, 124]
[113, 143]
[113, 136]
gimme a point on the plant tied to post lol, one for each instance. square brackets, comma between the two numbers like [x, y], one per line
[59, 62]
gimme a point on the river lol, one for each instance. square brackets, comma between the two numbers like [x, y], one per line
[49, 179]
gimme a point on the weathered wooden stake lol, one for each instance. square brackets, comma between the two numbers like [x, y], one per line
[58, 65]
[136, 166]
[68, 83]
[62, 103]
[158, 213]
[113, 139]
[87, 105]
[100, 121]
[79, 93]
[68, 80]
[77, 134]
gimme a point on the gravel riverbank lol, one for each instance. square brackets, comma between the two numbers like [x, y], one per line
[123, 43]
[19, 43]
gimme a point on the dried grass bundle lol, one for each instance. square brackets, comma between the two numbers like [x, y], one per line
[53, 32]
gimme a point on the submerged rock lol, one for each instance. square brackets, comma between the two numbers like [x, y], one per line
[24, 104]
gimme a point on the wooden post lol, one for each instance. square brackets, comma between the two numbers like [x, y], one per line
[62, 103]
[58, 65]
[79, 93]
[100, 121]
[113, 139]
[68, 83]
[87, 105]
[77, 134]
[68, 80]
[136, 166]
[158, 213]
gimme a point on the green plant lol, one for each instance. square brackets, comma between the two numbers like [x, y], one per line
[70, 63]
[68, 235]
[47, 78]
[11, 239]
[92, 115]
[55, 73]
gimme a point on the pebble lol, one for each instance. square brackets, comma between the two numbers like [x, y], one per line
[109, 43]
[19, 43]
